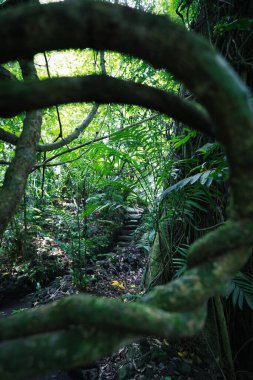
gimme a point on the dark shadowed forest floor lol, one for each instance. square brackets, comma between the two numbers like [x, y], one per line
[118, 275]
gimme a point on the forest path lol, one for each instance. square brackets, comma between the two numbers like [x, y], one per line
[132, 220]
[16, 294]
[118, 274]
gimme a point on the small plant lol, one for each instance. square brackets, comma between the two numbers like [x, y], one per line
[17, 311]
[80, 280]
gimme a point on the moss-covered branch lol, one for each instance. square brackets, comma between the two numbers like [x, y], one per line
[88, 311]
[232, 235]
[80, 329]
[102, 89]
[20, 167]
[23, 359]
[47, 336]
[200, 283]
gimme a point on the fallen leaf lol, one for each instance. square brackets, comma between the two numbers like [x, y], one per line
[118, 284]
[182, 354]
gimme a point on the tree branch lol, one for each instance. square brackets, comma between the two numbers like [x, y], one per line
[72, 136]
[20, 167]
[6, 74]
[13, 139]
[71, 333]
[8, 137]
[18, 97]
[159, 41]
[80, 310]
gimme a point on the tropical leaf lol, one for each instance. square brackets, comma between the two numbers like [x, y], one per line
[180, 263]
[241, 290]
[205, 178]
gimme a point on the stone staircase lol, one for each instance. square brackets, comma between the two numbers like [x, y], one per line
[132, 220]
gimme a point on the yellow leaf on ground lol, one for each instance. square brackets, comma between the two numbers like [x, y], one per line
[118, 284]
[182, 354]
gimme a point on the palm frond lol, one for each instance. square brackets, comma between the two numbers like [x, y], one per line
[241, 290]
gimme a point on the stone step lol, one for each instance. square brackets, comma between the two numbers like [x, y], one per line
[132, 221]
[134, 210]
[128, 232]
[128, 229]
[123, 244]
[130, 226]
[133, 216]
[125, 238]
